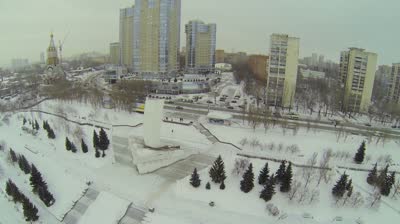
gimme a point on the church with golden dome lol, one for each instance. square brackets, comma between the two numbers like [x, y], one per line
[52, 55]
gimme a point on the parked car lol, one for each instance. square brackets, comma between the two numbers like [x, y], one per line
[277, 114]
[179, 108]
[230, 107]
[293, 116]
[209, 101]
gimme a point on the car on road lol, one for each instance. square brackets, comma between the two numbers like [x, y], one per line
[179, 108]
[209, 101]
[233, 101]
[230, 107]
[169, 102]
[241, 106]
[368, 124]
[293, 116]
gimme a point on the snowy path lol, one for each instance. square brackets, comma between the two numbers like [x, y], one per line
[122, 154]
[73, 216]
[134, 215]
[185, 167]
[206, 133]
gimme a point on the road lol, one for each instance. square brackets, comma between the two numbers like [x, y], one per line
[308, 123]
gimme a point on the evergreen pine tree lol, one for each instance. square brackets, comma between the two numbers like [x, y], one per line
[373, 175]
[222, 185]
[46, 196]
[268, 191]
[208, 186]
[247, 183]
[36, 180]
[84, 146]
[287, 179]
[386, 186]
[280, 173]
[359, 156]
[340, 187]
[272, 179]
[44, 125]
[24, 121]
[13, 156]
[264, 175]
[392, 178]
[382, 176]
[24, 164]
[97, 154]
[30, 211]
[217, 171]
[349, 185]
[37, 127]
[73, 148]
[103, 140]
[13, 191]
[195, 180]
[67, 144]
[50, 133]
[95, 140]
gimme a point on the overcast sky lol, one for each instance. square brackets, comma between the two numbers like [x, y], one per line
[324, 26]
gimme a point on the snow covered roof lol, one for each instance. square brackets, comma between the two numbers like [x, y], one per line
[219, 115]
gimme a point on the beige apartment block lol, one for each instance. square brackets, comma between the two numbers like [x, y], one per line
[115, 53]
[126, 37]
[282, 75]
[200, 47]
[357, 75]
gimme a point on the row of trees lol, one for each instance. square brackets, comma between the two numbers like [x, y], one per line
[30, 210]
[384, 181]
[100, 142]
[39, 186]
[50, 131]
[283, 177]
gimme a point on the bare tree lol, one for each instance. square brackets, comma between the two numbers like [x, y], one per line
[396, 189]
[356, 200]
[324, 166]
[296, 185]
[375, 199]
[314, 197]
[308, 171]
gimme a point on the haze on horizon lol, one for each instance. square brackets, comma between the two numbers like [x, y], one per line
[324, 27]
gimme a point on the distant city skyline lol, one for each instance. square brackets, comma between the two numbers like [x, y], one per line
[324, 27]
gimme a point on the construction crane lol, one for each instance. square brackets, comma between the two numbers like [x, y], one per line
[61, 44]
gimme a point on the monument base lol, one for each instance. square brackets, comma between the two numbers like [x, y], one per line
[148, 159]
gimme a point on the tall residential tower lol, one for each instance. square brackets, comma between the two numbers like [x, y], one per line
[126, 37]
[282, 74]
[200, 46]
[357, 75]
[156, 39]
[394, 86]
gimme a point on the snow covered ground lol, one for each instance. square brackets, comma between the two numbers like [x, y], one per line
[107, 209]
[177, 202]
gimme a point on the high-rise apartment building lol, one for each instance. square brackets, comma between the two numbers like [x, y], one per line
[126, 37]
[115, 53]
[200, 46]
[282, 75]
[156, 39]
[357, 75]
[394, 84]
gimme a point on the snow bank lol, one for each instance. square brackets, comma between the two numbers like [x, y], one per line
[107, 209]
